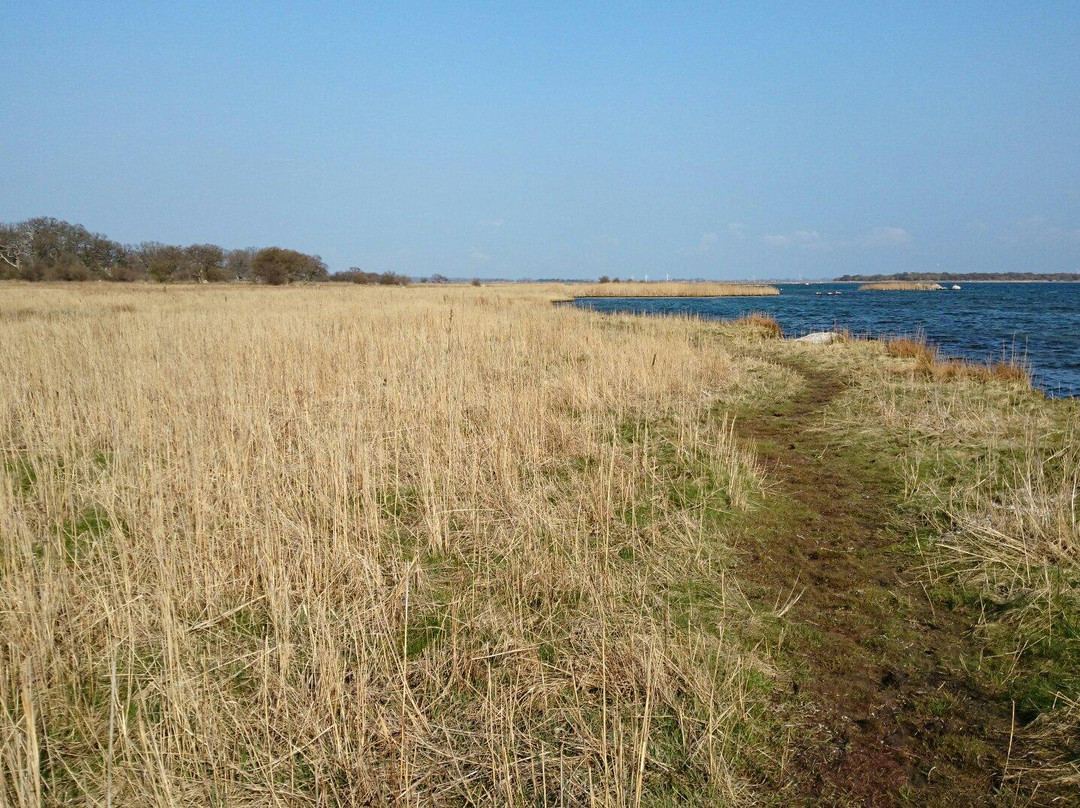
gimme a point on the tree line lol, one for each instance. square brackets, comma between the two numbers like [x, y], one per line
[47, 249]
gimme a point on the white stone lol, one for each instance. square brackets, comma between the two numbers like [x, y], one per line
[820, 338]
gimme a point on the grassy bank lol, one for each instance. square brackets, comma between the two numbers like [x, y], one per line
[674, 289]
[992, 476]
[451, 545]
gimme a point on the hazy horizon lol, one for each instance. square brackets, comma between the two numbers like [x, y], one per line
[753, 142]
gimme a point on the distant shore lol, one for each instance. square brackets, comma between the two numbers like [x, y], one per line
[968, 277]
[675, 289]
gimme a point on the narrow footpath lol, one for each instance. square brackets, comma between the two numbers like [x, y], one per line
[881, 711]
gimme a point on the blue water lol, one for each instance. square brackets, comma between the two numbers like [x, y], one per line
[1038, 323]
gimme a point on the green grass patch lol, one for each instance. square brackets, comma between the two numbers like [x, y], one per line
[425, 630]
[80, 534]
[22, 473]
[400, 502]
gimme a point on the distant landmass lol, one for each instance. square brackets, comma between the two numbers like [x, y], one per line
[966, 276]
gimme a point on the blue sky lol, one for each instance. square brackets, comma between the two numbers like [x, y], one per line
[557, 140]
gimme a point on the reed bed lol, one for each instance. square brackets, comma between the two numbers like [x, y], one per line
[674, 289]
[364, 546]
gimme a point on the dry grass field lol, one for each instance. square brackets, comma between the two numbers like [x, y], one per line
[335, 545]
[446, 545]
[674, 289]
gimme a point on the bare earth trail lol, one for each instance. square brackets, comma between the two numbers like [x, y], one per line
[881, 711]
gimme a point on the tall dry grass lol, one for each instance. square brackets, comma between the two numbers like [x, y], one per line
[363, 546]
[1015, 531]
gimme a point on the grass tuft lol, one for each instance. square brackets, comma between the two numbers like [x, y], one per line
[911, 348]
[765, 324]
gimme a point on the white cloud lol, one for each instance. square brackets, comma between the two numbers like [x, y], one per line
[808, 239]
[1039, 228]
[737, 229]
[812, 240]
[491, 223]
[886, 237]
[707, 242]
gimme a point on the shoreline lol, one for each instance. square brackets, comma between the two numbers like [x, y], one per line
[1049, 366]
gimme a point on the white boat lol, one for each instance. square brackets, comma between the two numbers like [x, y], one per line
[955, 288]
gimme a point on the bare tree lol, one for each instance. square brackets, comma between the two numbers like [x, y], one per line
[14, 246]
[238, 263]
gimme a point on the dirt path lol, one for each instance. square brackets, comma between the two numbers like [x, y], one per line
[881, 710]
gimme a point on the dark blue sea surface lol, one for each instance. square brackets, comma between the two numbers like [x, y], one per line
[1037, 323]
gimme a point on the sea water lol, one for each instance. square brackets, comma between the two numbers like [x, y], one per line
[1037, 323]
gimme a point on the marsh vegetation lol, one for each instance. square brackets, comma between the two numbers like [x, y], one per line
[343, 544]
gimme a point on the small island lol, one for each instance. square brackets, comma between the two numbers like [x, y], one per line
[674, 289]
[901, 286]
